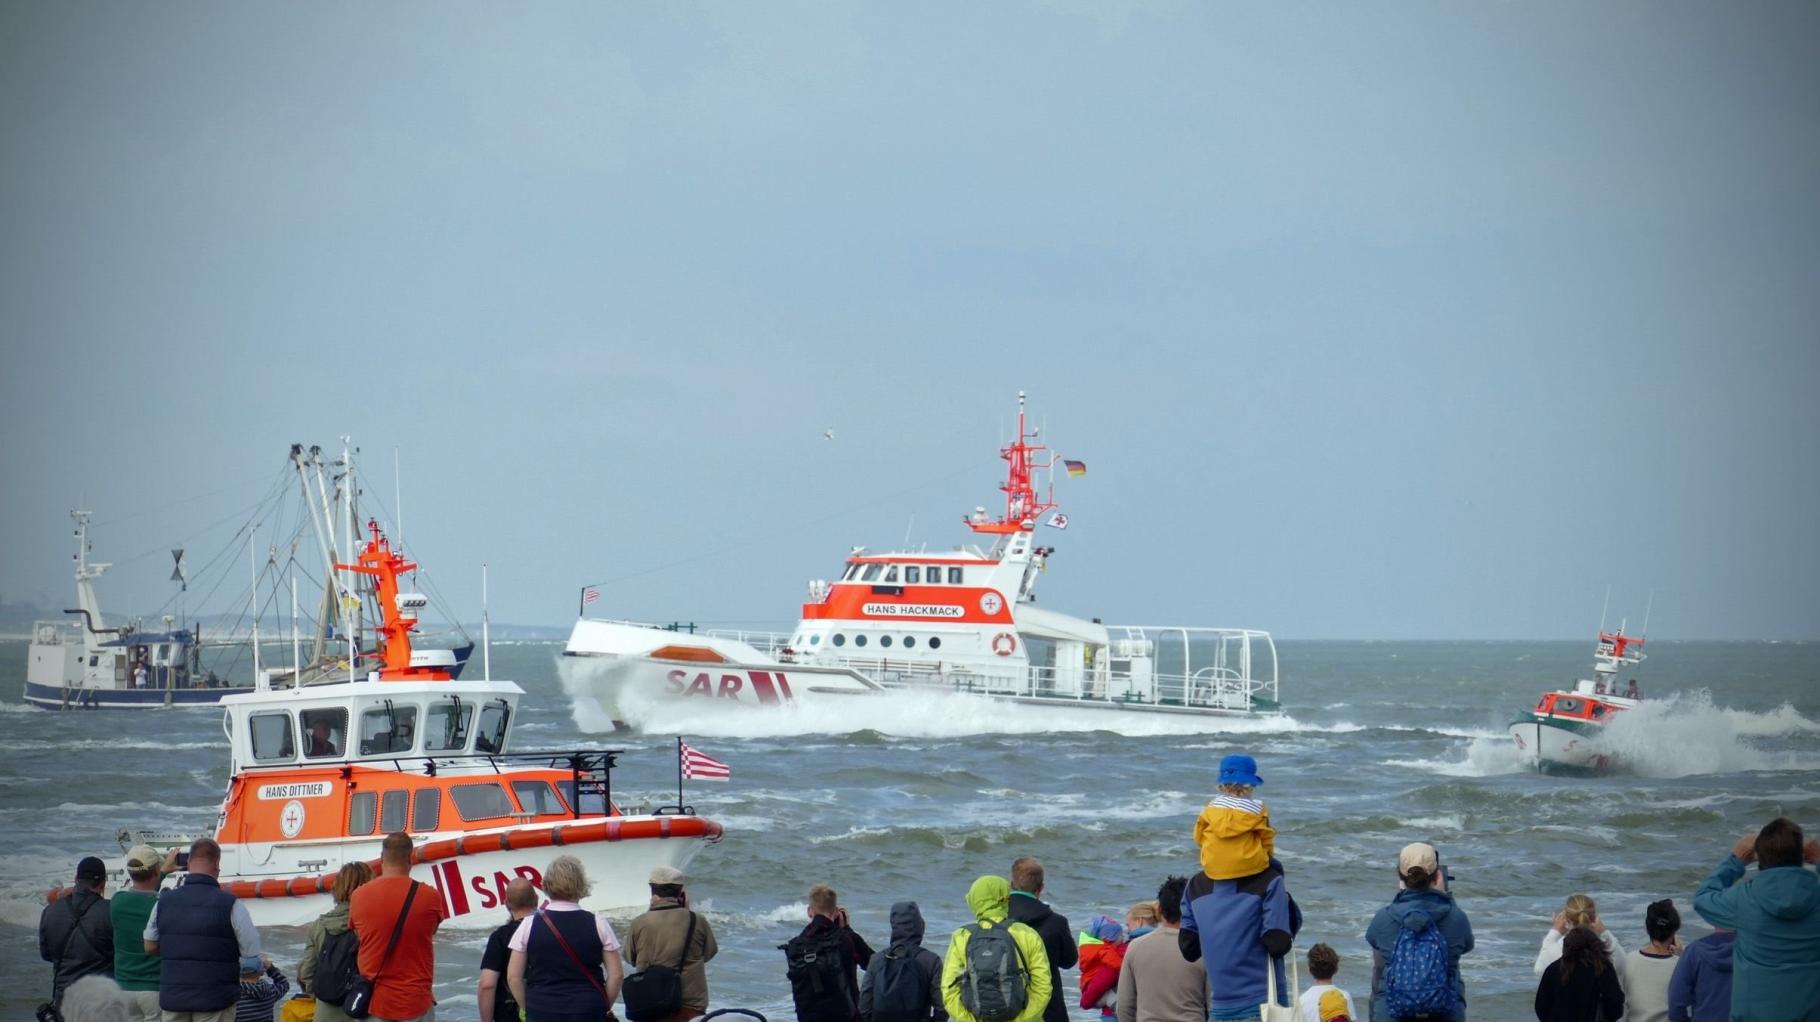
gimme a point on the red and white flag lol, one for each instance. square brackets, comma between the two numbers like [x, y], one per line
[589, 595]
[699, 766]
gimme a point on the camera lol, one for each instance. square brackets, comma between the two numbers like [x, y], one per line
[47, 1012]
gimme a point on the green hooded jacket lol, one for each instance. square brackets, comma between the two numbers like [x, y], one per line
[989, 899]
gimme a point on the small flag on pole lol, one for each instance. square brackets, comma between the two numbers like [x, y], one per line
[699, 766]
[590, 595]
[1057, 521]
[1075, 468]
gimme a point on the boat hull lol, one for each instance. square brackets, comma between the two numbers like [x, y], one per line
[1566, 747]
[614, 681]
[58, 697]
[469, 872]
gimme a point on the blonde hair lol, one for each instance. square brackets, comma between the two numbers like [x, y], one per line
[565, 880]
[349, 880]
[823, 900]
[1237, 790]
[1144, 913]
[1581, 911]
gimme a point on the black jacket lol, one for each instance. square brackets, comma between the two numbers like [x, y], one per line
[76, 935]
[907, 942]
[1583, 998]
[857, 954]
[1058, 941]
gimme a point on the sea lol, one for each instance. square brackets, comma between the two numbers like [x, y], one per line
[1379, 744]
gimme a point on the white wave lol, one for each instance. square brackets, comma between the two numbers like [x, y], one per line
[21, 708]
[1484, 757]
[1435, 823]
[37, 745]
[1684, 735]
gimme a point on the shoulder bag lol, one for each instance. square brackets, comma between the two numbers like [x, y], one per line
[359, 1001]
[563, 942]
[655, 991]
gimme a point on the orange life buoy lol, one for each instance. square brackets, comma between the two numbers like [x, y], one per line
[1004, 644]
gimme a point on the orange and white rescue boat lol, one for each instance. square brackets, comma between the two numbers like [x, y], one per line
[1566, 731]
[319, 776]
[963, 621]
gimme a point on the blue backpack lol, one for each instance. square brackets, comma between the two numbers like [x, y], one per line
[1417, 980]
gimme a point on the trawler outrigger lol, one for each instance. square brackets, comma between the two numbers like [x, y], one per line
[964, 620]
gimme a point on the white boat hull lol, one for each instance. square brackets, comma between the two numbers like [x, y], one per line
[1556, 747]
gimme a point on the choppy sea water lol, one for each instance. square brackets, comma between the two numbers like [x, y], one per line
[1382, 743]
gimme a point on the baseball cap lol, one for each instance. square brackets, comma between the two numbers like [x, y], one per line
[251, 963]
[143, 859]
[91, 869]
[1418, 855]
[668, 875]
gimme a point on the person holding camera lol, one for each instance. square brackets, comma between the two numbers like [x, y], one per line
[1416, 944]
[824, 960]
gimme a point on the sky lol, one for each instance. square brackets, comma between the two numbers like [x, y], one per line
[1422, 320]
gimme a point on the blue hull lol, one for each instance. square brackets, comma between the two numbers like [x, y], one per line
[53, 697]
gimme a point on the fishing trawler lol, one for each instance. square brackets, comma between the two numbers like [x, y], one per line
[320, 774]
[1565, 731]
[86, 664]
[961, 621]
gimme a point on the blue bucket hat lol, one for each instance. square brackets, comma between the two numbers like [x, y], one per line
[1106, 928]
[1239, 769]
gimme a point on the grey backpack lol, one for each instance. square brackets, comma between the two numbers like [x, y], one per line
[995, 982]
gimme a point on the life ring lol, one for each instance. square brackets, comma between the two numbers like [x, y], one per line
[1004, 644]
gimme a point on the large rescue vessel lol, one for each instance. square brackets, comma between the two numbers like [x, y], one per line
[320, 774]
[962, 621]
[1566, 730]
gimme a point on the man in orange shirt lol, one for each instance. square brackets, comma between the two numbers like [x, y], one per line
[401, 973]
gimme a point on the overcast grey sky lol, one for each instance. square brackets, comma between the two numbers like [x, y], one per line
[1409, 320]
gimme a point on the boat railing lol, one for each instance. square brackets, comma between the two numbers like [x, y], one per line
[56, 633]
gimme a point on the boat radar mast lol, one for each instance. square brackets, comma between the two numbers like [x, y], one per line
[398, 611]
[1022, 504]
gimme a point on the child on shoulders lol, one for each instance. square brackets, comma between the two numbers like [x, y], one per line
[1234, 832]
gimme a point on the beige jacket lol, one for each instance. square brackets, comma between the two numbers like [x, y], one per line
[656, 937]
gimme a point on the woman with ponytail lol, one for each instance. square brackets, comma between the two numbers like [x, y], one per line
[1648, 969]
[1582, 985]
[1580, 912]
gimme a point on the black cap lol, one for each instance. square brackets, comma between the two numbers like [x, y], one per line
[92, 870]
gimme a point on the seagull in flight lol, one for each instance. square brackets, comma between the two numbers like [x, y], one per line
[827, 434]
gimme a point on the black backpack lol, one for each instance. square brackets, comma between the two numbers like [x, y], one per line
[899, 991]
[337, 966]
[817, 967]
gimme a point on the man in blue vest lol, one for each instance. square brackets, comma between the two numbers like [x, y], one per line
[201, 932]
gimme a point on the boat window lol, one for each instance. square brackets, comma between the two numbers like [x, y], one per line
[362, 810]
[325, 732]
[392, 806]
[1569, 706]
[426, 809]
[94, 661]
[388, 728]
[492, 734]
[272, 737]
[913, 574]
[934, 642]
[164, 653]
[815, 640]
[891, 574]
[884, 640]
[539, 798]
[933, 574]
[872, 571]
[852, 570]
[480, 801]
[446, 724]
[840, 639]
[909, 641]
[859, 640]
[954, 576]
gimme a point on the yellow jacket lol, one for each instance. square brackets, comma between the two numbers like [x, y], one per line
[988, 899]
[1235, 837]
